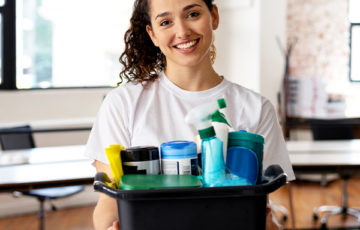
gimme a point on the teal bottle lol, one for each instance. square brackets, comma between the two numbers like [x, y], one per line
[213, 165]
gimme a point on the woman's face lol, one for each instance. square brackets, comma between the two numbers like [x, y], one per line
[183, 30]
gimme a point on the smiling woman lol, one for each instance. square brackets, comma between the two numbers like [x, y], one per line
[169, 70]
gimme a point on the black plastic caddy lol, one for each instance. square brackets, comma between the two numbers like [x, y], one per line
[230, 208]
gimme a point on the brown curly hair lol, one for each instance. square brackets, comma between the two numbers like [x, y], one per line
[141, 59]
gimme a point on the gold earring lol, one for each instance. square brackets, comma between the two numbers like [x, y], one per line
[212, 53]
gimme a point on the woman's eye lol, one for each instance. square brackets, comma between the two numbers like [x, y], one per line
[165, 23]
[193, 14]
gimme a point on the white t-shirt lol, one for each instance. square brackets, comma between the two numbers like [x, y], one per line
[134, 115]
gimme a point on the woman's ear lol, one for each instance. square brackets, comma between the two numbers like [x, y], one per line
[151, 35]
[215, 17]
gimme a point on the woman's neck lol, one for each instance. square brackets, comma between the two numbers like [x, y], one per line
[193, 78]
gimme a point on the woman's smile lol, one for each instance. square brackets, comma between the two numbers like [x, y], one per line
[188, 46]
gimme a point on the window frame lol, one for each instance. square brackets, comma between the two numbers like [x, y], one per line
[8, 44]
[350, 45]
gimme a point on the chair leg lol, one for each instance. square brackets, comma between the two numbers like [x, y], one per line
[344, 210]
[41, 213]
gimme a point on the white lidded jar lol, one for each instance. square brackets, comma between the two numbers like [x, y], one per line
[179, 157]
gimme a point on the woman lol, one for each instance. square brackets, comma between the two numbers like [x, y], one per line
[168, 66]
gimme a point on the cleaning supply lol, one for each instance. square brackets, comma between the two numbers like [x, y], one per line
[113, 155]
[221, 126]
[218, 120]
[179, 157]
[243, 162]
[141, 160]
[214, 172]
[252, 141]
[213, 165]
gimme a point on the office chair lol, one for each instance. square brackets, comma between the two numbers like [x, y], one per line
[339, 129]
[22, 138]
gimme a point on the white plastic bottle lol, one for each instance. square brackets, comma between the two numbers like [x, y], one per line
[221, 126]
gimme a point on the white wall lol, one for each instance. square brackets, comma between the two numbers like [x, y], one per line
[237, 43]
[273, 24]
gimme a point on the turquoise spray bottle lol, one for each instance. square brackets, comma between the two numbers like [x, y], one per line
[212, 158]
[213, 165]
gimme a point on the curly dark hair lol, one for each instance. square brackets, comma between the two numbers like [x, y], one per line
[141, 59]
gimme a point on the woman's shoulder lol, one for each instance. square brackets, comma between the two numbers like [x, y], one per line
[245, 93]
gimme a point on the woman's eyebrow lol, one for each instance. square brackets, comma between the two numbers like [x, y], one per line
[190, 6]
[164, 14]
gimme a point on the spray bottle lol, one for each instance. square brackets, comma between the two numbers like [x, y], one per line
[221, 126]
[213, 165]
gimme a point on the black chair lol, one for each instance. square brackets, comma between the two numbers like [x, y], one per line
[331, 129]
[22, 138]
[339, 129]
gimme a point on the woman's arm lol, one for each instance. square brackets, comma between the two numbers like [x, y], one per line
[105, 212]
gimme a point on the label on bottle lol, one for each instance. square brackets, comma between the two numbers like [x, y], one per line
[184, 166]
[142, 167]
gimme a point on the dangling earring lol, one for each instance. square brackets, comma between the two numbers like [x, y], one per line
[212, 53]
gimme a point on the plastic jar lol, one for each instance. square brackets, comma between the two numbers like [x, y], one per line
[141, 160]
[179, 157]
[252, 141]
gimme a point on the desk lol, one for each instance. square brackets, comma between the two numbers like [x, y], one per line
[325, 156]
[47, 167]
[341, 157]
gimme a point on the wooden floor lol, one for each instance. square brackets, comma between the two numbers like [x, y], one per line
[306, 196]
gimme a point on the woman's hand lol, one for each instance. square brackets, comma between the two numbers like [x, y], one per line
[115, 226]
[271, 221]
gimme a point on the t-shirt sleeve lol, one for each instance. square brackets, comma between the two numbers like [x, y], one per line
[110, 127]
[275, 151]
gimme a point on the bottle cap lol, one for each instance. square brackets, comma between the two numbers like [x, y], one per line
[206, 133]
[178, 149]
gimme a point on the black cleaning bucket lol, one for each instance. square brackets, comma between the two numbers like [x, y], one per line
[230, 208]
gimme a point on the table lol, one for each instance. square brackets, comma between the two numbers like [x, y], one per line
[342, 156]
[47, 167]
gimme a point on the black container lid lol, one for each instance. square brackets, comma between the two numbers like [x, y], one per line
[140, 153]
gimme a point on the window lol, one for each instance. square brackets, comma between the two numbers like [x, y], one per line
[354, 18]
[68, 43]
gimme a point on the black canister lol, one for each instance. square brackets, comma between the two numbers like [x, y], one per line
[141, 160]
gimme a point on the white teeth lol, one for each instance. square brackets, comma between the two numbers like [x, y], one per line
[186, 45]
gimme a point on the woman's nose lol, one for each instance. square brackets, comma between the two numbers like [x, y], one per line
[183, 31]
